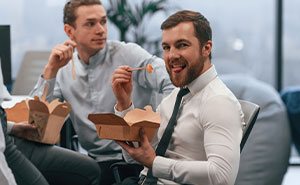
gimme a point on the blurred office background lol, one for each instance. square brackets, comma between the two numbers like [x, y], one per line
[244, 34]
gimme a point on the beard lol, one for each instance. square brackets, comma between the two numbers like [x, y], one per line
[192, 71]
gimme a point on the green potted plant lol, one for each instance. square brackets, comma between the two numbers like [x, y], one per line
[127, 17]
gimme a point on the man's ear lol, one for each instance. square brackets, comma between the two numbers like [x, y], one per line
[206, 49]
[69, 31]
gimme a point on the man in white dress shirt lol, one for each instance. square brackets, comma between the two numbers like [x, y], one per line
[205, 144]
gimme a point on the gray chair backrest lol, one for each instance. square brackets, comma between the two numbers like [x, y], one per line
[251, 111]
[31, 68]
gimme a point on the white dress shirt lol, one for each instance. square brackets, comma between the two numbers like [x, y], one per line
[205, 145]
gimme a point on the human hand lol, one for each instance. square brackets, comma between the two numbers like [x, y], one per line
[59, 57]
[121, 83]
[21, 129]
[144, 154]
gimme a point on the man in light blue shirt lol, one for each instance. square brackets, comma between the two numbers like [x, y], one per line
[94, 64]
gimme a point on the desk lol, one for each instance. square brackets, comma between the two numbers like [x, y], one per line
[15, 99]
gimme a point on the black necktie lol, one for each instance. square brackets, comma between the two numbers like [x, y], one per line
[165, 139]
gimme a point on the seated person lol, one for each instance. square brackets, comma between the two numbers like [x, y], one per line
[204, 147]
[94, 62]
[39, 164]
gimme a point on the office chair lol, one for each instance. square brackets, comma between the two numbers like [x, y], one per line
[31, 68]
[251, 111]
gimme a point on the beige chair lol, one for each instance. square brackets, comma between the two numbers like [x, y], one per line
[31, 68]
[250, 114]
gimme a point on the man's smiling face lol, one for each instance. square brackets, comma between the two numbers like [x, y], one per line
[182, 54]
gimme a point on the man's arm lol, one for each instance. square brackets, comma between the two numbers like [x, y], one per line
[122, 87]
[121, 83]
[158, 80]
[59, 57]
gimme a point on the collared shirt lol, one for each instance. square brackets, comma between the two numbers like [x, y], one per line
[91, 92]
[205, 145]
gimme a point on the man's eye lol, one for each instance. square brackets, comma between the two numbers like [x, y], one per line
[103, 22]
[182, 45]
[90, 24]
[166, 48]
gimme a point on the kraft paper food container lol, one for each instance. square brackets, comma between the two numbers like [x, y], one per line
[48, 118]
[111, 126]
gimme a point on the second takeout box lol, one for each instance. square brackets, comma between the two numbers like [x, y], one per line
[111, 126]
[48, 118]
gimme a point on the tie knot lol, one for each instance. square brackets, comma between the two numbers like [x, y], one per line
[183, 91]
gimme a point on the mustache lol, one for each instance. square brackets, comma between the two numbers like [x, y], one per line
[177, 61]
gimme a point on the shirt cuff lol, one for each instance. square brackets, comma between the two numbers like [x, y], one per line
[161, 167]
[39, 87]
[51, 81]
[10, 124]
[124, 112]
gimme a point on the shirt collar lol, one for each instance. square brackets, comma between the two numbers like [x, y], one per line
[98, 58]
[201, 81]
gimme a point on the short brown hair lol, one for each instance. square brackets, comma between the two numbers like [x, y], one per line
[201, 25]
[72, 5]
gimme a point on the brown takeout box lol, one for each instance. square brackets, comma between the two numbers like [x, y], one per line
[48, 118]
[111, 126]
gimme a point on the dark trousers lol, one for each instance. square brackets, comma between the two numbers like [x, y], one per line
[60, 166]
[138, 181]
[130, 181]
[24, 171]
[124, 171]
[32, 163]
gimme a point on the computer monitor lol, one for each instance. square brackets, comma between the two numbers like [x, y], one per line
[5, 53]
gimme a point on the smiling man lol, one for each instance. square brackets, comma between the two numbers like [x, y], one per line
[184, 57]
[199, 143]
[85, 23]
